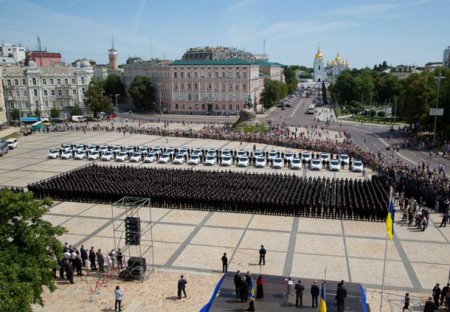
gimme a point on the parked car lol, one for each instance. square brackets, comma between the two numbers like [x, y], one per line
[12, 143]
[179, 159]
[335, 165]
[296, 164]
[151, 157]
[242, 161]
[260, 162]
[165, 158]
[66, 154]
[316, 164]
[80, 154]
[94, 155]
[122, 156]
[194, 160]
[357, 166]
[107, 156]
[344, 158]
[278, 163]
[137, 156]
[53, 153]
[226, 160]
[210, 160]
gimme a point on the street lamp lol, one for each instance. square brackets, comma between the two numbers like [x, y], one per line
[438, 81]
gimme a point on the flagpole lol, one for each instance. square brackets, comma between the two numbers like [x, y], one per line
[385, 256]
[384, 270]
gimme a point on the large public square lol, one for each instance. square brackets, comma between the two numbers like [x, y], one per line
[192, 242]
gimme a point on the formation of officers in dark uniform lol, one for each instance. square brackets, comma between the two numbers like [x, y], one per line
[273, 194]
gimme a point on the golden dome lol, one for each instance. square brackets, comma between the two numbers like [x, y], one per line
[318, 54]
[338, 58]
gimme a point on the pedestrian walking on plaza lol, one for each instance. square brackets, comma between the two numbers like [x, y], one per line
[69, 271]
[429, 305]
[84, 255]
[315, 290]
[299, 288]
[436, 295]
[118, 296]
[237, 284]
[406, 305]
[259, 287]
[262, 255]
[101, 261]
[445, 217]
[341, 294]
[182, 287]
[119, 259]
[444, 292]
[224, 263]
[92, 259]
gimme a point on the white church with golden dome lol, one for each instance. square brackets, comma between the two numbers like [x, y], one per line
[329, 72]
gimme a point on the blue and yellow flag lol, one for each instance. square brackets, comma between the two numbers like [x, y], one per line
[323, 300]
[390, 220]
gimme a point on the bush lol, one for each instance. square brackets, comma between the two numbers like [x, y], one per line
[54, 113]
[381, 114]
[372, 113]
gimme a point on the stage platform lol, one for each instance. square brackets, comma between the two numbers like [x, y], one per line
[275, 298]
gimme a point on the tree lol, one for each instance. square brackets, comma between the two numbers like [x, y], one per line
[113, 85]
[76, 111]
[142, 93]
[96, 101]
[37, 112]
[342, 90]
[54, 113]
[273, 92]
[26, 241]
[15, 114]
[324, 94]
[289, 76]
[418, 94]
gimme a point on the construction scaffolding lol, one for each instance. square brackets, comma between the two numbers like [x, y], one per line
[134, 207]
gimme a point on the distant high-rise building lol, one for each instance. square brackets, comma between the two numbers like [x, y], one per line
[446, 60]
[319, 70]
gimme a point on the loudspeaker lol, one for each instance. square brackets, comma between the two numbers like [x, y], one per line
[132, 231]
[135, 263]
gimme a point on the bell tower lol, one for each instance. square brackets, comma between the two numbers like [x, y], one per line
[319, 71]
[112, 55]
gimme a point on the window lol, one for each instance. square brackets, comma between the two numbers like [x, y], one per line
[66, 81]
[8, 82]
[237, 86]
[35, 92]
[82, 80]
[216, 74]
[189, 86]
[82, 90]
[196, 106]
[209, 86]
[195, 75]
[45, 93]
[34, 81]
[217, 106]
[25, 93]
[74, 91]
[16, 82]
[195, 86]
[176, 106]
[67, 92]
[223, 106]
[44, 82]
[182, 86]
[24, 82]
[51, 81]
[209, 74]
[58, 81]
[53, 92]
[182, 75]
[188, 74]
[59, 92]
[175, 75]
[183, 106]
[244, 74]
[244, 86]
[190, 97]
[203, 106]
[17, 93]
[73, 80]
[230, 74]
[230, 107]
[237, 106]
[230, 86]
[223, 87]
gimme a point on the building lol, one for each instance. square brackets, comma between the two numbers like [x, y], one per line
[200, 83]
[402, 71]
[17, 53]
[43, 58]
[30, 88]
[217, 53]
[319, 70]
[335, 67]
[2, 103]
[431, 67]
[7, 60]
[446, 59]
[112, 56]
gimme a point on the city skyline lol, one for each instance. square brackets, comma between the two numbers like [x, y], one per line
[410, 32]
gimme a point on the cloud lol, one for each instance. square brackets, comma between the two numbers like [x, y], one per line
[365, 10]
[237, 6]
[138, 16]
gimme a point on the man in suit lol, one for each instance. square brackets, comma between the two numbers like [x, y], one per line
[182, 287]
[262, 255]
[224, 263]
[238, 284]
[299, 288]
[341, 294]
[315, 294]
[92, 259]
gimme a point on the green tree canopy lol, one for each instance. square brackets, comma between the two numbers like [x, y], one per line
[37, 112]
[76, 111]
[324, 94]
[273, 92]
[142, 93]
[418, 93]
[113, 85]
[26, 242]
[15, 114]
[95, 98]
[291, 79]
[54, 113]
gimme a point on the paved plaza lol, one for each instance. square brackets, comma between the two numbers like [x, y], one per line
[194, 241]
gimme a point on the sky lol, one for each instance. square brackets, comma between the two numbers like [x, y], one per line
[411, 32]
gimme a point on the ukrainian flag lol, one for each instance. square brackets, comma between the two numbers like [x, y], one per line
[390, 220]
[323, 300]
